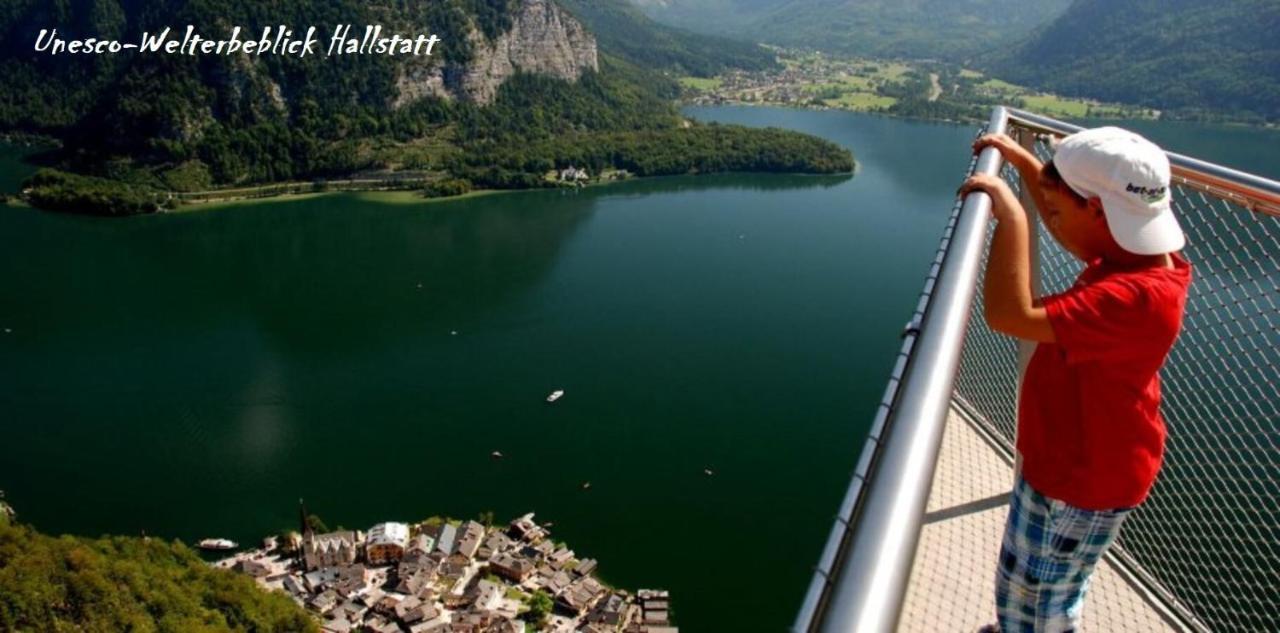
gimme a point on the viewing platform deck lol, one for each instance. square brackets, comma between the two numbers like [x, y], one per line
[952, 580]
[915, 539]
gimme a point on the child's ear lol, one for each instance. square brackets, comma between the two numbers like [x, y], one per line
[1095, 205]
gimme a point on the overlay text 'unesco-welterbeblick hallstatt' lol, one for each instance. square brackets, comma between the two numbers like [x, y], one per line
[278, 40]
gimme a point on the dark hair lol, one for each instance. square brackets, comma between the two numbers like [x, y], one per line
[1051, 174]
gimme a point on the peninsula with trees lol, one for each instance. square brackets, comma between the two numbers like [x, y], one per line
[515, 92]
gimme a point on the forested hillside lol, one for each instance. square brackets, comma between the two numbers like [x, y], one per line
[1196, 58]
[128, 584]
[178, 122]
[625, 30]
[919, 29]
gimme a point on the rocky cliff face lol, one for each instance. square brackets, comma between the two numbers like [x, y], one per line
[543, 39]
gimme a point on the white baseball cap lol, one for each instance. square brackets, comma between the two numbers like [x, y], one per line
[1130, 175]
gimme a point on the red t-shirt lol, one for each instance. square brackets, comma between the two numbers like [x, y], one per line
[1089, 425]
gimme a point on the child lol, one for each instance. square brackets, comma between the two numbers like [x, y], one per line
[1089, 428]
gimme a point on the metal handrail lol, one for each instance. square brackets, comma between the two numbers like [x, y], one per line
[863, 573]
[1252, 192]
[861, 578]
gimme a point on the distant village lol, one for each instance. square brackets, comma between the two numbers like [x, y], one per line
[444, 576]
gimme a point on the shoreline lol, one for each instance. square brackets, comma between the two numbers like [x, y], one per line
[390, 196]
[376, 194]
[1227, 123]
[413, 196]
[386, 196]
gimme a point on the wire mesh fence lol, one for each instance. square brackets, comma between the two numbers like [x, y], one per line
[1208, 537]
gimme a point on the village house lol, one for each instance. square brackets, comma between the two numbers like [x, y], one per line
[483, 622]
[525, 529]
[444, 542]
[320, 579]
[553, 581]
[585, 567]
[458, 601]
[512, 567]
[415, 575]
[544, 549]
[496, 542]
[609, 611]
[581, 595]
[294, 586]
[437, 624]
[337, 625]
[386, 543]
[469, 537]
[558, 558]
[420, 544]
[256, 569]
[328, 550]
[372, 598]
[324, 602]
[451, 570]
[487, 595]
[346, 580]
[412, 610]
[350, 581]
[572, 174]
[385, 606]
[350, 610]
[652, 618]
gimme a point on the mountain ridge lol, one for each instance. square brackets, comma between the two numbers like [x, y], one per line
[943, 29]
[1190, 57]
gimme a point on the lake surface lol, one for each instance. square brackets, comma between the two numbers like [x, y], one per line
[196, 374]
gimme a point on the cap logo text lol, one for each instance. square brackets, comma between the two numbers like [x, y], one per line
[1149, 195]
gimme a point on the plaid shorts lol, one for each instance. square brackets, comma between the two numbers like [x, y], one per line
[1049, 551]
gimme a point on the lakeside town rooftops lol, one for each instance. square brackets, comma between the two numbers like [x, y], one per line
[457, 591]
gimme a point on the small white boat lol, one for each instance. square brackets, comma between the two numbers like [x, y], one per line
[496, 454]
[708, 472]
[555, 395]
[217, 544]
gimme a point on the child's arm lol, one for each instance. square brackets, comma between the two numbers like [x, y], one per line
[1021, 158]
[1006, 297]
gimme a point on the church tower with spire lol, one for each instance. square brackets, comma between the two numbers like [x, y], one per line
[304, 526]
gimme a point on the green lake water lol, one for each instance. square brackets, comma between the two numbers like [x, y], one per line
[196, 374]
